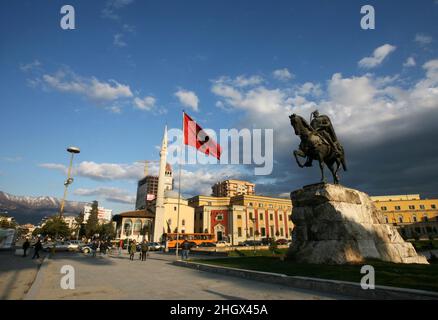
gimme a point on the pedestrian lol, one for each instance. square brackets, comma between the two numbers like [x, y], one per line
[185, 250]
[144, 250]
[94, 247]
[37, 247]
[120, 246]
[132, 250]
[26, 246]
[103, 247]
[129, 246]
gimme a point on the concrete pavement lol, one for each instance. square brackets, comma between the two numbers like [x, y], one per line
[17, 274]
[157, 278]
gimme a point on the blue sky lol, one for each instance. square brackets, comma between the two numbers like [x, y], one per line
[110, 85]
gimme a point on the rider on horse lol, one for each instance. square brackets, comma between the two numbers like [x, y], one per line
[323, 126]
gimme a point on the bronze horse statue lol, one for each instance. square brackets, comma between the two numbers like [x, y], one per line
[314, 146]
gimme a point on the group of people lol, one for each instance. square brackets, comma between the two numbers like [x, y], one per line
[101, 246]
[132, 249]
[37, 248]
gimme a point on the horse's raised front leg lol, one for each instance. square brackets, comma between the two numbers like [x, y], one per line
[299, 153]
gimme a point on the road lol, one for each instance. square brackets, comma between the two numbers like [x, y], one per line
[157, 278]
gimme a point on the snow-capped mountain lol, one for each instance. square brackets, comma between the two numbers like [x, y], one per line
[27, 209]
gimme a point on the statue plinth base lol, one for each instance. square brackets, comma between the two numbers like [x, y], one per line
[337, 225]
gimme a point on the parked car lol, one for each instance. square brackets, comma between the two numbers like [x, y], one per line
[155, 246]
[75, 245]
[281, 241]
[266, 241]
[222, 244]
[207, 245]
[86, 248]
[59, 246]
[251, 243]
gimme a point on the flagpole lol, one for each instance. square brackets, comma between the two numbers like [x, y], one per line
[179, 187]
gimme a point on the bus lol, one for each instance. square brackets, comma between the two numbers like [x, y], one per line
[196, 238]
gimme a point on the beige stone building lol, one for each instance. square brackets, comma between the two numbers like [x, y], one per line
[414, 217]
[231, 188]
[243, 217]
[133, 224]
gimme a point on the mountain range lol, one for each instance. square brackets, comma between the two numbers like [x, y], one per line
[27, 209]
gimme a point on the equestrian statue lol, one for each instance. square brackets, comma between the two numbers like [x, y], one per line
[318, 142]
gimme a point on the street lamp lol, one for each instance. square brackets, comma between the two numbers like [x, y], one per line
[69, 180]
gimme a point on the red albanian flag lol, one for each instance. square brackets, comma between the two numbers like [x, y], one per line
[196, 137]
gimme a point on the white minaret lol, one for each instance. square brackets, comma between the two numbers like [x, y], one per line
[159, 209]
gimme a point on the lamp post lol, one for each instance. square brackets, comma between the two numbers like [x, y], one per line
[69, 180]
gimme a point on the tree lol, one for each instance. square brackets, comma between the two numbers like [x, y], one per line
[7, 225]
[36, 232]
[106, 231]
[80, 228]
[55, 226]
[92, 225]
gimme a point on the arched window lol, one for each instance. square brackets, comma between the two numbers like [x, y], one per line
[425, 218]
[414, 218]
[137, 227]
[183, 222]
[127, 226]
[400, 219]
[386, 219]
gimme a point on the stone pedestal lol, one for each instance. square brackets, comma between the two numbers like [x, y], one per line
[337, 225]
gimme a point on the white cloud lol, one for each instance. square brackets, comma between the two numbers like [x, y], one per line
[188, 99]
[360, 106]
[310, 88]
[111, 7]
[30, 66]
[357, 91]
[240, 81]
[12, 159]
[118, 40]
[147, 103]
[410, 62]
[67, 81]
[258, 99]
[378, 56]
[205, 178]
[282, 74]
[114, 109]
[110, 194]
[104, 171]
[423, 39]
[243, 81]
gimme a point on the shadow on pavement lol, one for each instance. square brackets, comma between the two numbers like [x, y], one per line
[17, 274]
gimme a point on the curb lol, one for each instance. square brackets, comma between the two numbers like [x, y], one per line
[31, 294]
[345, 288]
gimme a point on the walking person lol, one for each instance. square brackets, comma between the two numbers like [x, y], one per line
[103, 247]
[132, 250]
[26, 246]
[94, 248]
[185, 250]
[144, 250]
[37, 247]
[120, 247]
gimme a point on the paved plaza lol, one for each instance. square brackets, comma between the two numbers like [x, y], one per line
[157, 278]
